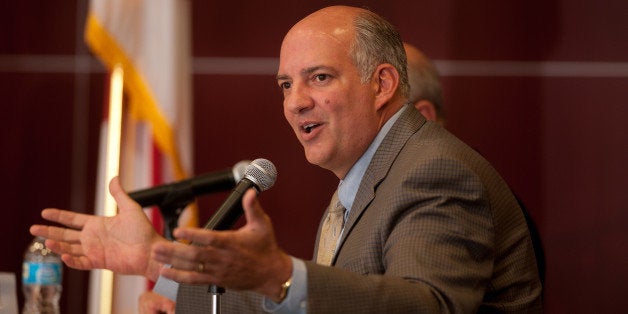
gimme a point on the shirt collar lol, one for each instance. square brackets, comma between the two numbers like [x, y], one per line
[348, 187]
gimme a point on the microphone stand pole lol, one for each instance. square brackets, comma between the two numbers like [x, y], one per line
[215, 291]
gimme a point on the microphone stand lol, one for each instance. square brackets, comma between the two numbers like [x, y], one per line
[171, 208]
[215, 291]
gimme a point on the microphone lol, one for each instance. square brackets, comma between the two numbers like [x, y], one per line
[259, 174]
[201, 184]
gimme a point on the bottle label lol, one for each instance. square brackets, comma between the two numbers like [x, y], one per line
[41, 273]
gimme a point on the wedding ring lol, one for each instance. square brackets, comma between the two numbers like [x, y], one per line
[201, 267]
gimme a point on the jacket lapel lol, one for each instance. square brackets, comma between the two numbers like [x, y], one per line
[408, 123]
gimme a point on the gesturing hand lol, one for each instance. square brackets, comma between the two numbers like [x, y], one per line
[244, 259]
[120, 243]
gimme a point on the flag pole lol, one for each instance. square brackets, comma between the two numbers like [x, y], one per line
[112, 162]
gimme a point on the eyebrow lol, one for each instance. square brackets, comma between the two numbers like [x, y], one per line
[304, 72]
[282, 77]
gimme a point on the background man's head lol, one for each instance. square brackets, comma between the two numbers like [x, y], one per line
[425, 88]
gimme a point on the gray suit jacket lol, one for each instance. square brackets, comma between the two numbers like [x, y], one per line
[433, 228]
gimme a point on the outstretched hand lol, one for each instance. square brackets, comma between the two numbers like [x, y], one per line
[244, 259]
[120, 243]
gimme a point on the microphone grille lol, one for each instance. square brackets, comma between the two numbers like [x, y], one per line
[262, 172]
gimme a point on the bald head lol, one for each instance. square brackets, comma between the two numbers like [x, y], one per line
[335, 22]
[338, 16]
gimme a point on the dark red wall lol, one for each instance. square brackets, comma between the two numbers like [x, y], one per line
[559, 140]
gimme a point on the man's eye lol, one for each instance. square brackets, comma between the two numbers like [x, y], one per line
[321, 77]
[285, 85]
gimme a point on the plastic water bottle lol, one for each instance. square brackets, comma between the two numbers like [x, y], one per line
[41, 279]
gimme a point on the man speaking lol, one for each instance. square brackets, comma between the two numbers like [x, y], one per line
[420, 223]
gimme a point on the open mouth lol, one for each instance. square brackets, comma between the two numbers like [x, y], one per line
[309, 127]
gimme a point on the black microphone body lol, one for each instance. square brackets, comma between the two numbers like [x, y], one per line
[259, 174]
[201, 184]
[231, 209]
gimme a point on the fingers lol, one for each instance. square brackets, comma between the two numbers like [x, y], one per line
[56, 233]
[186, 276]
[59, 240]
[64, 247]
[200, 236]
[190, 264]
[65, 217]
[182, 256]
[77, 262]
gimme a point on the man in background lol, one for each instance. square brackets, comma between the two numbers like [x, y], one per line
[425, 88]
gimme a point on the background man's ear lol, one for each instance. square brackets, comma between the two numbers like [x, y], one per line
[427, 109]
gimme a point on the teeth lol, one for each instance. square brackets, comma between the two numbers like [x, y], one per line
[308, 128]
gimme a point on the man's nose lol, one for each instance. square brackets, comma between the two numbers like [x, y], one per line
[299, 99]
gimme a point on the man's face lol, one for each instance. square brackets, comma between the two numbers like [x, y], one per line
[330, 110]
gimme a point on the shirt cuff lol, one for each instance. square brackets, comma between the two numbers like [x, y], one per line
[166, 287]
[296, 299]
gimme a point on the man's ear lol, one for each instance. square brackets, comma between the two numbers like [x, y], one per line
[427, 109]
[386, 79]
